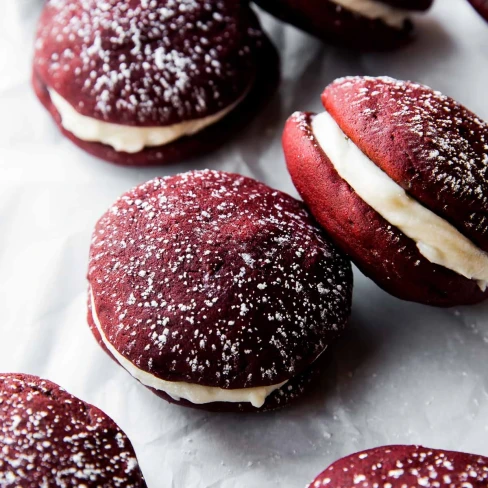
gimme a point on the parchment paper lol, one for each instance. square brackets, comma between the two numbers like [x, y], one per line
[404, 373]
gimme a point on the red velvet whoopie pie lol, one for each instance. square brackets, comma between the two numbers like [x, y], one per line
[405, 466]
[368, 25]
[51, 438]
[397, 175]
[139, 82]
[481, 7]
[216, 291]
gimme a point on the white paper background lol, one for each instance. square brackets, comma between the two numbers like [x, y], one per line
[404, 374]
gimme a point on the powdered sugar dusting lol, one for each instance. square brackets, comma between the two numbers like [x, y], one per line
[50, 438]
[147, 62]
[218, 280]
[436, 148]
[402, 466]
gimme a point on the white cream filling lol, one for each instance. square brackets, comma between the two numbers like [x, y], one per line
[436, 239]
[194, 393]
[372, 9]
[124, 138]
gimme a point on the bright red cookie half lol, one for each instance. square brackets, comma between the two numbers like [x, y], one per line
[376, 25]
[216, 291]
[147, 83]
[51, 438]
[405, 466]
[397, 175]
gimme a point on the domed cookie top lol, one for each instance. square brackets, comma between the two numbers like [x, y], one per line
[431, 145]
[402, 466]
[146, 63]
[214, 279]
[51, 438]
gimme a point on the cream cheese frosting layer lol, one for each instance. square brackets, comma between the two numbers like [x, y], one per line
[125, 138]
[372, 9]
[194, 393]
[437, 240]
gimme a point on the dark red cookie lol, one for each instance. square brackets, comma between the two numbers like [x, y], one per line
[336, 24]
[214, 279]
[406, 466]
[155, 65]
[51, 438]
[431, 146]
[481, 6]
